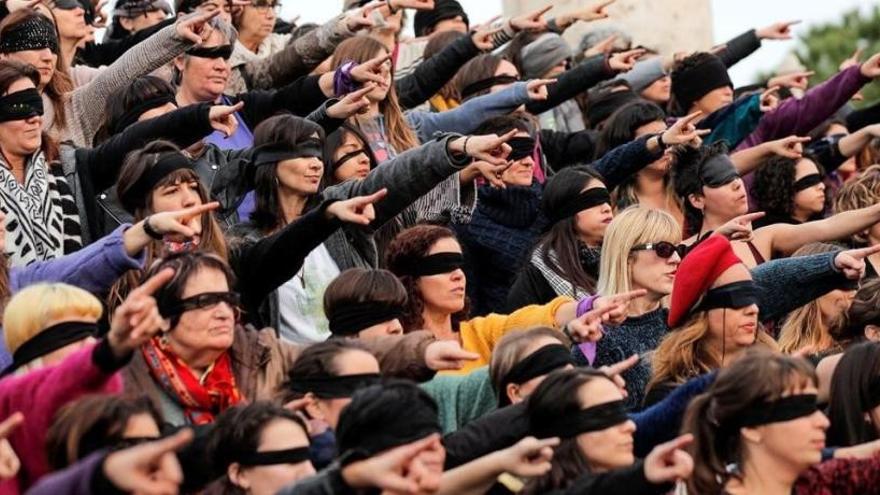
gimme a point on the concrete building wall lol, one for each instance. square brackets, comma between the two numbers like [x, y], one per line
[660, 24]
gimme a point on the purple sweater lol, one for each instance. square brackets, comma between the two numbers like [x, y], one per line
[94, 268]
[799, 117]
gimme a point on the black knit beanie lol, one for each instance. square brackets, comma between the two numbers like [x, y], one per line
[443, 9]
[603, 104]
[690, 82]
[381, 417]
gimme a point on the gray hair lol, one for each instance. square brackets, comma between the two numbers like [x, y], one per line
[229, 33]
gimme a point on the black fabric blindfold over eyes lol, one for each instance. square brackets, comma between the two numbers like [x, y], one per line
[521, 147]
[718, 171]
[734, 296]
[21, 105]
[435, 264]
[222, 51]
[807, 182]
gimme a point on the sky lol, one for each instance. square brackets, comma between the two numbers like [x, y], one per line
[730, 17]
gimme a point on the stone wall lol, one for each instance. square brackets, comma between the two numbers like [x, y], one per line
[658, 24]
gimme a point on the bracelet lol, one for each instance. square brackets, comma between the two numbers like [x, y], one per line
[660, 142]
[153, 233]
[466, 139]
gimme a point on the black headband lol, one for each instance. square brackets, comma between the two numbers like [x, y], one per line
[35, 33]
[594, 418]
[544, 360]
[435, 264]
[21, 105]
[521, 147]
[484, 84]
[718, 171]
[333, 387]
[590, 198]
[222, 51]
[807, 182]
[289, 456]
[272, 153]
[168, 163]
[134, 113]
[735, 295]
[348, 156]
[352, 318]
[777, 411]
[50, 339]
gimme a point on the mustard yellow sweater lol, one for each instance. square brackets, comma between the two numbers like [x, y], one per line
[480, 335]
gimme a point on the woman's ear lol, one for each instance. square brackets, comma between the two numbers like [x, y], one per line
[238, 476]
[697, 201]
[512, 391]
[312, 408]
[179, 63]
[751, 435]
[872, 333]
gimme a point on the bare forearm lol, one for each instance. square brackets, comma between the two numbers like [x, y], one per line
[749, 159]
[473, 478]
[853, 143]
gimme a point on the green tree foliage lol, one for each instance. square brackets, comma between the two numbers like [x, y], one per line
[825, 46]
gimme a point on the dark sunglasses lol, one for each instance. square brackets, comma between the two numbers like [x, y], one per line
[663, 249]
[208, 300]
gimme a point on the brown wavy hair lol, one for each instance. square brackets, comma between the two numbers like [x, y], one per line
[756, 378]
[407, 248]
[685, 352]
[136, 164]
[359, 49]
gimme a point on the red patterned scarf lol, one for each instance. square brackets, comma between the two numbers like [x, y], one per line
[201, 401]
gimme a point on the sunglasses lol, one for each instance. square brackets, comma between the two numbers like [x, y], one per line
[208, 300]
[663, 249]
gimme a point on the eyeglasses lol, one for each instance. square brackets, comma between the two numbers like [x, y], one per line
[208, 300]
[663, 249]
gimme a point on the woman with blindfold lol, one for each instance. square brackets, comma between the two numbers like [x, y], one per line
[577, 205]
[854, 400]
[86, 368]
[585, 410]
[789, 190]
[258, 449]
[651, 186]
[816, 328]
[289, 182]
[767, 435]
[429, 262]
[75, 113]
[320, 385]
[100, 421]
[714, 309]
[522, 360]
[206, 361]
[714, 194]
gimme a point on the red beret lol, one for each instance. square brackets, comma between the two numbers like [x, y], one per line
[696, 273]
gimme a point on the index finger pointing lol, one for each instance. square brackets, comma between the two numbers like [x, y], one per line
[863, 252]
[10, 423]
[539, 13]
[154, 282]
[199, 209]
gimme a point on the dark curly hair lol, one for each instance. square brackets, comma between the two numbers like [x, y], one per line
[774, 184]
[406, 248]
[686, 168]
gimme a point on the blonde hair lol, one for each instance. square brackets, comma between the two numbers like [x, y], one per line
[859, 193]
[633, 226]
[685, 352]
[40, 306]
[804, 326]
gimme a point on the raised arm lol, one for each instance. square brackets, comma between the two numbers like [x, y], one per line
[786, 238]
[297, 59]
[575, 81]
[88, 101]
[432, 74]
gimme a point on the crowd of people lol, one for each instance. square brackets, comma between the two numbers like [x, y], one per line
[242, 255]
